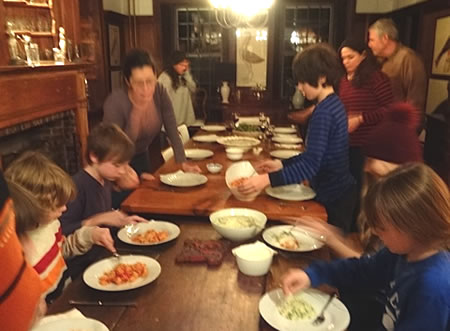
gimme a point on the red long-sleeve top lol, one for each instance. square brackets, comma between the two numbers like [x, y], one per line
[370, 100]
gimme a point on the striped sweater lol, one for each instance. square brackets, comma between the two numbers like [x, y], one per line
[45, 249]
[370, 100]
[325, 159]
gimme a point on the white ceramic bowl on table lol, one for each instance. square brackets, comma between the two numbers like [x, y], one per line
[243, 169]
[238, 224]
[242, 142]
[234, 153]
[214, 168]
[254, 259]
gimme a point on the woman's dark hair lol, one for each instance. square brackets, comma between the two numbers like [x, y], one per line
[367, 66]
[136, 58]
[175, 58]
[316, 61]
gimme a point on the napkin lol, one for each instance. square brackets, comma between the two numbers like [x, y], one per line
[73, 313]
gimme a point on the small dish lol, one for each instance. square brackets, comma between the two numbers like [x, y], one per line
[234, 153]
[214, 168]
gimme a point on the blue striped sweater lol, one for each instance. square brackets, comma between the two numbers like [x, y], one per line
[325, 160]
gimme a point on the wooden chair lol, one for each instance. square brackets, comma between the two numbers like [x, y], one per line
[199, 102]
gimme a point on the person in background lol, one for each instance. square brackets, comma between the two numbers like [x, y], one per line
[141, 110]
[177, 80]
[365, 92]
[108, 152]
[21, 296]
[409, 210]
[401, 64]
[32, 176]
[325, 161]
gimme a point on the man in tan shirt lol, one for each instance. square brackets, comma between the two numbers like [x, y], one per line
[400, 63]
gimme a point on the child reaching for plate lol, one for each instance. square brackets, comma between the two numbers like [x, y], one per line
[40, 191]
[409, 210]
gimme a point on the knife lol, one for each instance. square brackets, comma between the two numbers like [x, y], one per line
[101, 303]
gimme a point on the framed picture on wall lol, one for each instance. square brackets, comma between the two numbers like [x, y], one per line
[441, 53]
[438, 92]
[114, 45]
[251, 57]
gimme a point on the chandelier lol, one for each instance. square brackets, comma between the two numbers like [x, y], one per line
[241, 13]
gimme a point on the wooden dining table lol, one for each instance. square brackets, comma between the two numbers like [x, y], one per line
[155, 197]
[194, 296]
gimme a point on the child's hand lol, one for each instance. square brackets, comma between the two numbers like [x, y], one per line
[254, 184]
[147, 176]
[102, 237]
[268, 166]
[294, 280]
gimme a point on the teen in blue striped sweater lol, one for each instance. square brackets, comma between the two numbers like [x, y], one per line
[325, 160]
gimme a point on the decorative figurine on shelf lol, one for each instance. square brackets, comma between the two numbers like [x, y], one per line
[26, 39]
[14, 57]
[62, 42]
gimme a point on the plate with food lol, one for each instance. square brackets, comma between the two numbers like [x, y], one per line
[149, 233]
[206, 138]
[213, 128]
[282, 129]
[198, 153]
[287, 139]
[239, 141]
[122, 273]
[298, 311]
[294, 192]
[293, 238]
[284, 153]
[72, 324]
[250, 130]
[183, 179]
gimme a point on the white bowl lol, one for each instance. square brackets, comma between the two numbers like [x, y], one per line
[221, 221]
[214, 168]
[254, 259]
[243, 169]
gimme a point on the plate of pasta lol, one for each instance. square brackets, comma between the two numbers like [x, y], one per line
[120, 274]
[293, 238]
[149, 233]
[298, 311]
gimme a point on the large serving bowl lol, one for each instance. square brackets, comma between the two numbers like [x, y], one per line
[238, 224]
[236, 171]
[239, 141]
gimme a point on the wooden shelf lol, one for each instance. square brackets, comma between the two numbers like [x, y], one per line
[35, 33]
[26, 3]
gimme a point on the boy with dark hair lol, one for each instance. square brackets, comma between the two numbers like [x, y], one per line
[108, 152]
[325, 159]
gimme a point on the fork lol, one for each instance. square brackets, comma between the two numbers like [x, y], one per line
[321, 318]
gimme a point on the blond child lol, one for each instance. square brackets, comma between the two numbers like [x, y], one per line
[409, 210]
[40, 191]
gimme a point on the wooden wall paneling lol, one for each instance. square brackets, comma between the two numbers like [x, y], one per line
[4, 53]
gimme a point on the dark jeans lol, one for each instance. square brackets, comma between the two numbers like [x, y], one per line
[357, 159]
[340, 211]
[366, 309]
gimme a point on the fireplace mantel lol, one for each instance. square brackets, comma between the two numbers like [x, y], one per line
[27, 94]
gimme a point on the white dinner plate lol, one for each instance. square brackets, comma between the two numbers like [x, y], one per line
[198, 154]
[206, 138]
[307, 239]
[183, 179]
[70, 324]
[287, 139]
[284, 153]
[294, 192]
[288, 146]
[280, 129]
[126, 233]
[239, 141]
[337, 317]
[213, 128]
[93, 273]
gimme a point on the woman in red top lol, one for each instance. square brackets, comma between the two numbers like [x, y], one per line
[365, 92]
